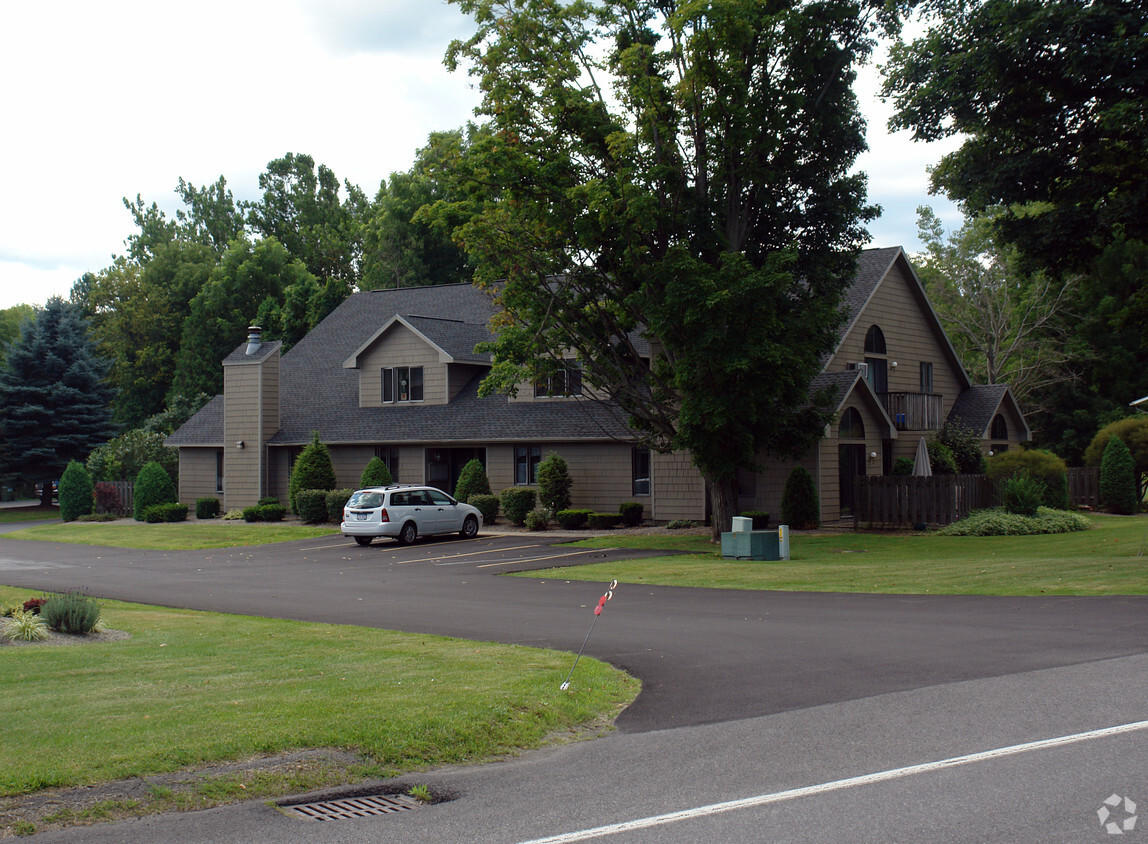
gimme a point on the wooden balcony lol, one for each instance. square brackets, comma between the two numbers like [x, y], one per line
[914, 411]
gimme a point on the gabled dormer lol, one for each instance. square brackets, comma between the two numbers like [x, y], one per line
[417, 360]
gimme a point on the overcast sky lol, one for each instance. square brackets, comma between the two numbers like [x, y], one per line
[117, 98]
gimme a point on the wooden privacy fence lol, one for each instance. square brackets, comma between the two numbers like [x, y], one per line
[904, 501]
[1084, 487]
[114, 497]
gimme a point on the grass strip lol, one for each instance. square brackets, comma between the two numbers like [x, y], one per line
[1110, 560]
[180, 536]
[31, 513]
[190, 688]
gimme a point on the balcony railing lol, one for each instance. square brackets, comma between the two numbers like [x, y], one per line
[914, 411]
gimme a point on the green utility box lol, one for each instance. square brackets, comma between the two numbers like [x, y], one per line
[751, 545]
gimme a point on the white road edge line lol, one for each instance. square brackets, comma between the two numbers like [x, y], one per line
[866, 779]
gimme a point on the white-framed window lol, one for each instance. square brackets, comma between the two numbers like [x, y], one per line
[390, 457]
[402, 384]
[566, 380]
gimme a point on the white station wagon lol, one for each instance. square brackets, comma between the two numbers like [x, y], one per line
[405, 512]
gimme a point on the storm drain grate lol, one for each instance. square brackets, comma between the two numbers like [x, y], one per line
[355, 807]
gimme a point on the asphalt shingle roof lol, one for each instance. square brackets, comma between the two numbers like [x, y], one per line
[976, 406]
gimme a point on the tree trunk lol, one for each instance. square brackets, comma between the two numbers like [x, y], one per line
[723, 498]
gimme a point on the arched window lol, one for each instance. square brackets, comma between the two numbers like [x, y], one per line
[874, 341]
[851, 427]
[999, 428]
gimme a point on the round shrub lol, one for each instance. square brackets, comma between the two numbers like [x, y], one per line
[1118, 477]
[536, 520]
[941, 459]
[153, 486]
[376, 474]
[1022, 494]
[336, 500]
[312, 470]
[554, 483]
[272, 512]
[516, 502]
[75, 491]
[207, 508]
[603, 521]
[311, 505]
[572, 519]
[472, 480]
[487, 505]
[71, 613]
[1043, 466]
[631, 513]
[903, 466]
[1134, 432]
[799, 506]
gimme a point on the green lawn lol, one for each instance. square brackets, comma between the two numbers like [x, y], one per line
[31, 513]
[191, 687]
[1109, 560]
[180, 536]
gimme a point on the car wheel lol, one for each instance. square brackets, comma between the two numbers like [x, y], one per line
[408, 534]
[364, 540]
[469, 528]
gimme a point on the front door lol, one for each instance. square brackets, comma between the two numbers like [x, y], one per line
[444, 465]
[850, 464]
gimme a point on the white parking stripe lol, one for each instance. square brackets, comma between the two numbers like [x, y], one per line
[866, 779]
[537, 559]
[466, 554]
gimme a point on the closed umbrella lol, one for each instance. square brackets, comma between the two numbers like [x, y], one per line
[921, 466]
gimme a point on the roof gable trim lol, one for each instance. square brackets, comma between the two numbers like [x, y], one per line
[353, 361]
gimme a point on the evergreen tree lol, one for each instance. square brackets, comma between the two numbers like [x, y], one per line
[376, 474]
[54, 401]
[1117, 477]
[312, 470]
[472, 480]
[554, 483]
[75, 492]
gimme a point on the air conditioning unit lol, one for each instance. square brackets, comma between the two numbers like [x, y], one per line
[863, 368]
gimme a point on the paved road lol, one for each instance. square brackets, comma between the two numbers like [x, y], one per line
[746, 695]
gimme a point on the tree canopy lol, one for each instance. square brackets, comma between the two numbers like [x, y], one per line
[669, 194]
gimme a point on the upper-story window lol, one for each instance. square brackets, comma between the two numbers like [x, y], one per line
[565, 380]
[851, 427]
[402, 383]
[875, 341]
[926, 377]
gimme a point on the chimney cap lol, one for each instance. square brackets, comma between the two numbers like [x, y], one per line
[254, 338]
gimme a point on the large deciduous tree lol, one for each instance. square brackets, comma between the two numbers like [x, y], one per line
[54, 401]
[677, 174]
[1008, 326]
[1050, 97]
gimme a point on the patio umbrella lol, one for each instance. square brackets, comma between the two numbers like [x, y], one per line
[921, 466]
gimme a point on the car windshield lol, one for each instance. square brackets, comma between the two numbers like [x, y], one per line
[366, 500]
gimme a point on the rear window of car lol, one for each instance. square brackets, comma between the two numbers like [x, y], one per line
[366, 500]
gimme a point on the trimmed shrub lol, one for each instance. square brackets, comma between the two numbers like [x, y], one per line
[1043, 466]
[311, 505]
[472, 480]
[572, 519]
[171, 512]
[800, 508]
[1118, 478]
[903, 466]
[554, 483]
[603, 521]
[75, 490]
[536, 520]
[760, 519]
[207, 508]
[966, 446]
[312, 470]
[152, 486]
[941, 459]
[376, 474]
[1134, 432]
[631, 513]
[272, 512]
[516, 502]
[336, 500]
[487, 505]
[269, 499]
[1022, 494]
[73, 613]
